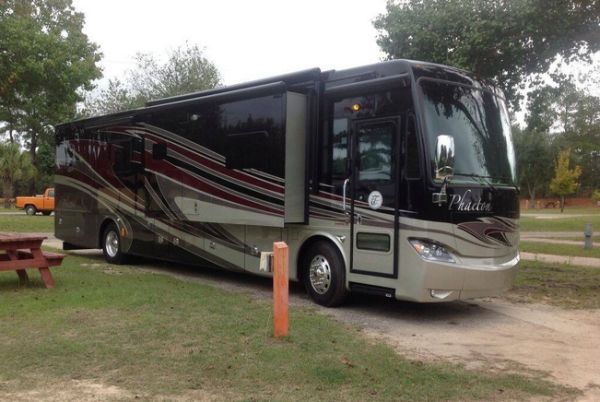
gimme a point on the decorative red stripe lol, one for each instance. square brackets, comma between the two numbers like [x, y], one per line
[178, 175]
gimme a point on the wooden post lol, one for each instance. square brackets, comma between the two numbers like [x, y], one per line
[280, 289]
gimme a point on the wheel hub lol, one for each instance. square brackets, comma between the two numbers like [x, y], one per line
[320, 274]
[112, 244]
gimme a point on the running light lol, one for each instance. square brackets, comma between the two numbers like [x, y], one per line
[356, 107]
[431, 251]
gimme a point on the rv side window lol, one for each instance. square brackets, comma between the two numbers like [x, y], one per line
[339, 149]
[248, 150]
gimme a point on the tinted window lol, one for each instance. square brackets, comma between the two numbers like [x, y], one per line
[334, 144]
[478, 121]
[339, 152]
[248, 133]
[254, 134]
[375, 151]
[247, 151]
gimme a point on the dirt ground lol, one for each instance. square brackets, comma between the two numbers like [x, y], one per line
[485, 333]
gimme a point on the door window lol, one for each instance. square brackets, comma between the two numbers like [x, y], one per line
[375, 147]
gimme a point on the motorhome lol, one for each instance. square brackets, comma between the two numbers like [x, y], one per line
[395, 179]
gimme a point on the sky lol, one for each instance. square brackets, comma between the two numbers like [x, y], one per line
[246, 40]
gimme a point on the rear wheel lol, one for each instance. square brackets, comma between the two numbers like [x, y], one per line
[324, 274]
[30, 210]
[111, 245]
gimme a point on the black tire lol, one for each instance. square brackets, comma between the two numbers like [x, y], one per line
[327, 287]
[46, 213]
[30, 210]
[112, 252]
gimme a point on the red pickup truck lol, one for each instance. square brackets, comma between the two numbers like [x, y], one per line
[38, 203]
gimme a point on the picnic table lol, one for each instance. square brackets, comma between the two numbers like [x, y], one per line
[22, 251]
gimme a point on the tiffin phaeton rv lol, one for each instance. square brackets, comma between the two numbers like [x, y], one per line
[395, 179]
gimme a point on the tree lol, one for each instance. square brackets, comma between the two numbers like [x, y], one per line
[534, 160]
[45, 60]
[582, 134]
[596, 197]
[114, 98]
[565, 180]
[185, 70]
[508, 40]
[14, 165]
[45, 169]
[571, 116]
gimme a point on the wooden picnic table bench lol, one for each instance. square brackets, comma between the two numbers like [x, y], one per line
[23, 251]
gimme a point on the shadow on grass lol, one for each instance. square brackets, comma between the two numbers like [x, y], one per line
[8, 284]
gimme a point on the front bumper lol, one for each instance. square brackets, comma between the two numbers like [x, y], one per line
[473, 277]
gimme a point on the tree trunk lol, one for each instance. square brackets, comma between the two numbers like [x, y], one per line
[33, 153]
[562, 203]
[8, 192]
[531, 191]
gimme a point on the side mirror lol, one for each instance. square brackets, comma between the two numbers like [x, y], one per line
[444, 157]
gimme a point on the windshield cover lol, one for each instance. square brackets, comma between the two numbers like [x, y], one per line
[478, 120]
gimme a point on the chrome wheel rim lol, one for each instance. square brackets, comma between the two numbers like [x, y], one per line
[319, 274]
[112, 244]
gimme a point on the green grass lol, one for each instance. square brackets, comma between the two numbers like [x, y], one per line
[559, 249]
[567, 224]
[24, 223]
[151, 334]
[565, 286]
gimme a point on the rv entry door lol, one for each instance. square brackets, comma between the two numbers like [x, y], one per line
[373, 189]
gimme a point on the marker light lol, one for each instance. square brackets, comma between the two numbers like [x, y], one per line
[355, 107]
[431, 251]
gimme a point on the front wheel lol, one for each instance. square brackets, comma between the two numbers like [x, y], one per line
[324, 274]
[30, 210]
[111, 245]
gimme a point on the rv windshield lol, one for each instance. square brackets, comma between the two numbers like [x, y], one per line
[478, 121]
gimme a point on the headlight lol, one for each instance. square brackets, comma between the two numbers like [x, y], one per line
[431, 251]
